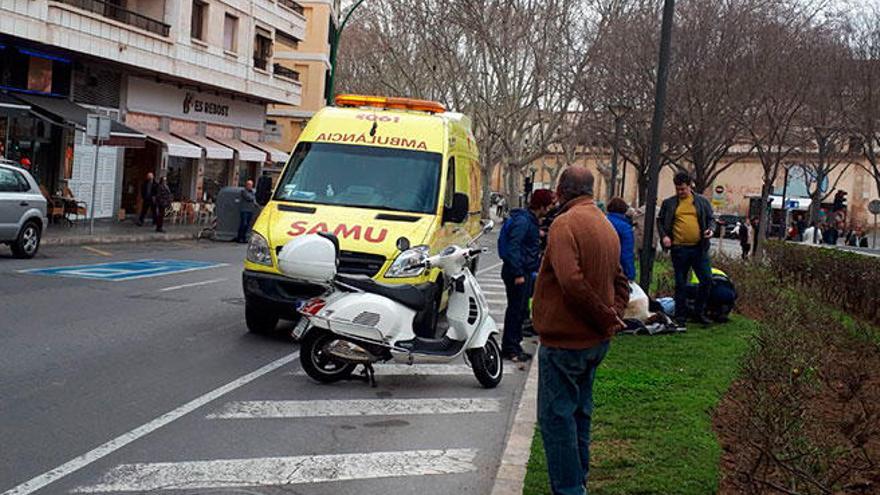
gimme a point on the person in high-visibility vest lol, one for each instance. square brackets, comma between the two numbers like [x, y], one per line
[722, 296]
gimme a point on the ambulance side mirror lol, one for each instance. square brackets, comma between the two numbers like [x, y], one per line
[458, 212]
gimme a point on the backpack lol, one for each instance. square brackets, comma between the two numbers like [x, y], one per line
[503, 241]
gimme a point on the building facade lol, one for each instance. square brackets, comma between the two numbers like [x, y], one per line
[734, 192]
[310, 59]
[187, 83]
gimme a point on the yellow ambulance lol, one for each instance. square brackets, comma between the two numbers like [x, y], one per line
[385, 175]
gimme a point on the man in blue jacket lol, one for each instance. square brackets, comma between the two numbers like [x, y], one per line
[519, 245]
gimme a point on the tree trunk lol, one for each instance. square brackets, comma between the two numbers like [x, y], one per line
[486, 175]
[763, 218]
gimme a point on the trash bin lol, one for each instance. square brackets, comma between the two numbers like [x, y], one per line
[227, 212]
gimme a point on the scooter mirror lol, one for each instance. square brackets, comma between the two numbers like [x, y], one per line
[489, 226]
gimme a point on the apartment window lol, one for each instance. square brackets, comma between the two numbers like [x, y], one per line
[262, 49]
[285, 42]
[199, 17]
[230, 33]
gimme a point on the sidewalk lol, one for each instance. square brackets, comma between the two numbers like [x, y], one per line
[112, 231]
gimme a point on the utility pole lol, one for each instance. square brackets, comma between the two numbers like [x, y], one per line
[648, 249]
[334, 47]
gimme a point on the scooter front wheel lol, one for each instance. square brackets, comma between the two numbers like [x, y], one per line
[318, 363]
[487, 364]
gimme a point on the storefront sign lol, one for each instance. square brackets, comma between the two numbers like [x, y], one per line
[168, 100]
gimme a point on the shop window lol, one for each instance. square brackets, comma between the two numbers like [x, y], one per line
[199, 17]
[230, 33]
[262, 49]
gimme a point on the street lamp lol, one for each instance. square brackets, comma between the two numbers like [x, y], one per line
[618, 110]
[334, 47]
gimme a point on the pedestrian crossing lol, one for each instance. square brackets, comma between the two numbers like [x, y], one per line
[437, 396]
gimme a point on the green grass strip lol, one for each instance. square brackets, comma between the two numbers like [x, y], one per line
[652, 431]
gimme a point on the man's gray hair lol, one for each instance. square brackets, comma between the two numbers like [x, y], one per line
[575, 182]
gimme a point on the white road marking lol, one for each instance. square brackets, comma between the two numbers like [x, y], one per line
[415, 370]
[280, 471]
[97, 251]
[363, 407]
[489, 269]
[194, 284]
[117, 443]
[502, 302]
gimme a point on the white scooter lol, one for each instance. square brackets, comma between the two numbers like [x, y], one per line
[359, 321]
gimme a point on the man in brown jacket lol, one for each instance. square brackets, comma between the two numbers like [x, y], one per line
[580, 296]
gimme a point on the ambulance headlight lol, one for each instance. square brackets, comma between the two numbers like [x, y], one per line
[258, 250]
[410, 263]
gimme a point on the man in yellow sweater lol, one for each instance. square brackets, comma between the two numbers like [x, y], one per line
[685, 224]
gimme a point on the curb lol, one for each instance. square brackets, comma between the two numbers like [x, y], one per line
[115, 239]
[511, 473]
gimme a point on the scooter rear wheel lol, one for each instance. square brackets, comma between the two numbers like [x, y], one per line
[317, 363]
[487, 364]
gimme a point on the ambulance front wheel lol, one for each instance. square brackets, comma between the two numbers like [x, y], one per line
[260, 321]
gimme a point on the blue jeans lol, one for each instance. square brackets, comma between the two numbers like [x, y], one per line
[244, 224]
[685, 259]
[565, 411]
[517, 308]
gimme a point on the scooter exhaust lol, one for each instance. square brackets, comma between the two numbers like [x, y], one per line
[350, 352]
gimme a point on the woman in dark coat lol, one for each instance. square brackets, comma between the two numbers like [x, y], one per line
[163, 202]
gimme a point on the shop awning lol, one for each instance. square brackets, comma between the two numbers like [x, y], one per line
[246, 152]
[276, 155]
[11, 106]
[175, 146]
[213, 150]
[66, 112]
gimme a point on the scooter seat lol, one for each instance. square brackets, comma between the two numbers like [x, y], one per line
[411, 296]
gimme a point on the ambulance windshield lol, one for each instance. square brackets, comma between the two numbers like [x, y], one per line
[362, 176]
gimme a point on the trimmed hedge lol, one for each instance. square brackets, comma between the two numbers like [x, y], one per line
[846, 280]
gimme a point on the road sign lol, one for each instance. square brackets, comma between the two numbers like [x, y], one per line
[125, 270]
[98, 126]
[874, 207]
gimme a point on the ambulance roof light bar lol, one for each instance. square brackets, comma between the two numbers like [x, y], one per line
[391, 102]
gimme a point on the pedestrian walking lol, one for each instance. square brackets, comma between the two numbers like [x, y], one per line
[162, 202]
[745, 238]
[686, 224]
[617, 209]
[580, 296]
[813, 234]
[148, 195]
[247, 207]
[519, 246]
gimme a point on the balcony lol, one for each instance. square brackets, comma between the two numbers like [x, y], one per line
[283, 71]
[292, 5]
[117, 13]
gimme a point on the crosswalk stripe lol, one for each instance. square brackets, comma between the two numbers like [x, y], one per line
[501, 302]
[417, 370]
[279, 471]
[364, 407]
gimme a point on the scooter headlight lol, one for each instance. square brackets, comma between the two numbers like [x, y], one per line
[258, 250]
[410, 263]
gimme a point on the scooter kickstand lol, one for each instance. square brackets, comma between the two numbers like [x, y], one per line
[369, 374]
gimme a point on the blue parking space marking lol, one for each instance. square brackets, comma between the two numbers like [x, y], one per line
[125, 270]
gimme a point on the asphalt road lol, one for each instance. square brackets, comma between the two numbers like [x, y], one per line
[154, 385]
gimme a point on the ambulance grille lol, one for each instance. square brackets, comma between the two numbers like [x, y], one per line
[351, 263]
[367, 318]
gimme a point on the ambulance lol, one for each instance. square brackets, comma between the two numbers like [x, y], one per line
[387, 176]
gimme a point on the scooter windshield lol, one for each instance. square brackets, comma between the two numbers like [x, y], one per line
[362, 176]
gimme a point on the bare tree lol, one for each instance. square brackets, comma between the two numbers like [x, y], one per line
[864, 88]
[778, 62]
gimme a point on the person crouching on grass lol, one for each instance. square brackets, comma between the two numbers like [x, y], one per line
[580, 296]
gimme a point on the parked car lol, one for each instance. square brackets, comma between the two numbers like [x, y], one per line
[727, 223]
[22, 211]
